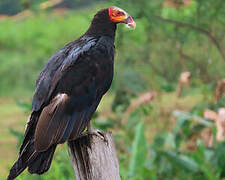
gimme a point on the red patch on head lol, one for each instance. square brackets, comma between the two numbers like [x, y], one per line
[116, 14]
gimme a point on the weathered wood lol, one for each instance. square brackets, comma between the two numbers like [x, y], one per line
[93, 158]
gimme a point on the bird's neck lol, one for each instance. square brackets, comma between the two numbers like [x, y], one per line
[102, 26]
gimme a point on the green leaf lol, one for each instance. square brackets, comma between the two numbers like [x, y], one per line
[139, 151]
[189, 116]
[160, 139]
[181, 161]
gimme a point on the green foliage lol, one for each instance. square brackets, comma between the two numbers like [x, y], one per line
[27, 45]
[138, 152]
[176, 39]
[220, 103]
[12, 7]
[180, 161]
[6, 8]
[103, 124]
[188, 116]
[152, 57]
[166, 157]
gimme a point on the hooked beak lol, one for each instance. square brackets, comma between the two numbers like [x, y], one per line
[130, 22]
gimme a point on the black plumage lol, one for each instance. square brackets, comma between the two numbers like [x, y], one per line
[68, 91]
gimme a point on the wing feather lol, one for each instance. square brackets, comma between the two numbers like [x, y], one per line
[69, 91]
[56, 67]
[56, 124]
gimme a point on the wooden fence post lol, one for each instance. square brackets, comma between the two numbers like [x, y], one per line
[93, 158]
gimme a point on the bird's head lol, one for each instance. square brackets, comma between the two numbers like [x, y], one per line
[117, 15]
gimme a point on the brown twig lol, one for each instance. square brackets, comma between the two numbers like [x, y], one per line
[184, 81]
[145, 98]
[219, 90]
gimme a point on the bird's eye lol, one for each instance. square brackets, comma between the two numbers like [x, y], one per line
[119, 13]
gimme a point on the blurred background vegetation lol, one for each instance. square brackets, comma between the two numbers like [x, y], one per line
[166, 104]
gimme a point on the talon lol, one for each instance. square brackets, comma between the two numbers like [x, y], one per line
[100, 134]
[97, 132]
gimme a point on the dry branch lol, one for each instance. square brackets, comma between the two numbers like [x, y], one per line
[219, 119]
[184, 81]
[220, 90]
[207, 135]
[144, 98]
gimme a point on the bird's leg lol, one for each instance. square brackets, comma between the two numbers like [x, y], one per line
[96, 132]
[91, 131]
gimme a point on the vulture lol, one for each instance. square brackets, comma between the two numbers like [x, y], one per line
[68, 91]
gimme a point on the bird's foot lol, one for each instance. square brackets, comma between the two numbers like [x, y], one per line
[95, 132]
[99, 133]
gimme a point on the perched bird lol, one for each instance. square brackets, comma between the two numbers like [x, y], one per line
[68, 91]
